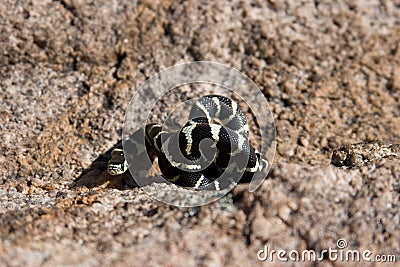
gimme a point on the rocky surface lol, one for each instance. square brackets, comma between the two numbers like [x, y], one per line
[68, 69]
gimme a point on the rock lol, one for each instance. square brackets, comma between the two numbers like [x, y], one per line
[69, 69]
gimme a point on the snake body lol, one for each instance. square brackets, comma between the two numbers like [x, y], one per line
[214, 141]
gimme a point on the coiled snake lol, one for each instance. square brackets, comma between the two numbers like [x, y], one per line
[214, 141]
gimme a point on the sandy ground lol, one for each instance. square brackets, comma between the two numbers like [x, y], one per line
[331, 74]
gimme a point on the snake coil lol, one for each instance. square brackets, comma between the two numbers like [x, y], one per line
[214, 142]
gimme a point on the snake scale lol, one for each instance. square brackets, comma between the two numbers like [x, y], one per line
[215, 141]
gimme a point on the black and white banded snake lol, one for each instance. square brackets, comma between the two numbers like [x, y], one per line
[185, 159]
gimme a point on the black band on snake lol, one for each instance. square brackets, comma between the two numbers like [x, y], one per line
[214, 141]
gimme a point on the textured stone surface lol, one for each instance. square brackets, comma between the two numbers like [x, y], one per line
[68, 69]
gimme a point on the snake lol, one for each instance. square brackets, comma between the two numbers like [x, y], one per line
[214, 142]
[363, 153]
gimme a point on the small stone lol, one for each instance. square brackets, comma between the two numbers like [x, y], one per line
[304, 141]
[395, 79]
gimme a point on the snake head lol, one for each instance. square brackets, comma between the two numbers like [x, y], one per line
[344, 157]
[117, 164]
[339, 157]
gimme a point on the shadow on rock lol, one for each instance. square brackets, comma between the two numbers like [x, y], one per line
[96, 174]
